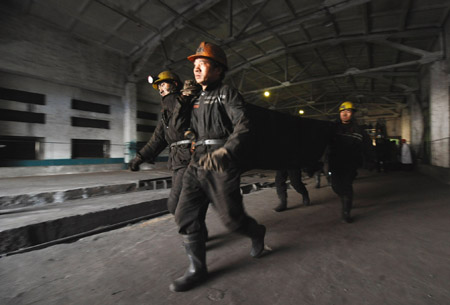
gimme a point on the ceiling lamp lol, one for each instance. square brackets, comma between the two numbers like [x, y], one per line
[301, 112]
[266, 93]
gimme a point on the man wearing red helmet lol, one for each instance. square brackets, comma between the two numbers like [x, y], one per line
[221, 128]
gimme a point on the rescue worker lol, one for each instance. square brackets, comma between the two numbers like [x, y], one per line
[349, 145]
[175, 120]
[221, 127]
[295, 176]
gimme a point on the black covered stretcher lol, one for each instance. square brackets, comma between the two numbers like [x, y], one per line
[282, 141]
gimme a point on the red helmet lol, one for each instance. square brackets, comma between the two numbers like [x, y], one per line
[212, 51]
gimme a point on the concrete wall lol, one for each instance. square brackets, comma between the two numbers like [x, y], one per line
[33, 48]
[393, 127]
[417, 125]
[37, 57]
[57, 132]
[406, 124]
[439, 115]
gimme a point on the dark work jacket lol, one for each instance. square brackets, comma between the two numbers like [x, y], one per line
[219, 112]
[350, 146]
[175, 120]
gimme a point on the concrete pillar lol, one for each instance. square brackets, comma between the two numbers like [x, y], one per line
[406, 124]
[129, 122]
[439, 115]
[417, 124]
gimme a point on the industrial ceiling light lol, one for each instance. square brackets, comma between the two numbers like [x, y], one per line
[301, 112]
[266, 93]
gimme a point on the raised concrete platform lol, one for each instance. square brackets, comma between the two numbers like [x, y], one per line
[40, 190]
[396, 252]
[66, 207]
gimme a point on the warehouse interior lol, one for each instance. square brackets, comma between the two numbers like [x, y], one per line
[75, 96]
[78, 227]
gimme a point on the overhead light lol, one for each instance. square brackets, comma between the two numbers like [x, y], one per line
[301, 112]
[266, 93]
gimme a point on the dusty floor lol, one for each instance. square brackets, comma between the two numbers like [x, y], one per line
[396, 252]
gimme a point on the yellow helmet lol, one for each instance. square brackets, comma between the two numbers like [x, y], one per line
[347, 105]
[165, 76]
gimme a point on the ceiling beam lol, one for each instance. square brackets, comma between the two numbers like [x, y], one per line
[382, 78]
[112, 5]
[230, 18]
[404, 48]
[327, 7]
[174, 24]
[333, 42]
[345, 74]
[250, 20]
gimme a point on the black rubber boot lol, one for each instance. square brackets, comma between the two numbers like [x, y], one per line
[306, 200]
[257, 233]
[197, 271]
[281, 206]
[346, 208]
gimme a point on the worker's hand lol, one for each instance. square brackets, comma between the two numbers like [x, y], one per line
[190, 88]
[218, 160]
[134, 164]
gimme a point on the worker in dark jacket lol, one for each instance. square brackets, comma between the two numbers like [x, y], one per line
[349, 146]
[221, 128]
[175, 120]
[295, 176]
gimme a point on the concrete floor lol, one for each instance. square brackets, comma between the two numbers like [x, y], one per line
[396, 252]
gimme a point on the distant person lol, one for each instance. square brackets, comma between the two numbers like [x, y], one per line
[382, 150]
[295, 176]
[406, 156]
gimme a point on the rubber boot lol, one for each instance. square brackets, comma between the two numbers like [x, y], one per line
[346, 208]
[281, 206]
[283, 203]
[306, 200]
[257, 233]
[197, 271]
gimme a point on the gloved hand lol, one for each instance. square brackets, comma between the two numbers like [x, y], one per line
[217, 161]
[134, 164]
[190, 88]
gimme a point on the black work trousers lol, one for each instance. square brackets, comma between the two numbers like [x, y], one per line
[295, 175]
[203, 186]
[342, 181]
[175, 191]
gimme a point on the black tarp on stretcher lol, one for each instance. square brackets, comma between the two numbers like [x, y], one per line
[282, 141]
